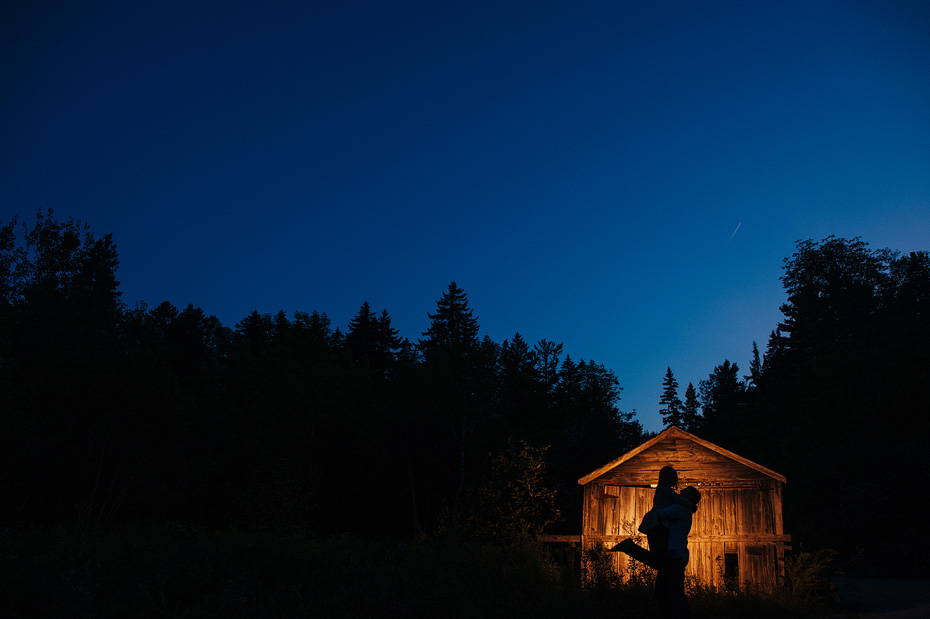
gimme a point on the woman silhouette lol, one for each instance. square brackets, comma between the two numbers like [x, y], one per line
[657, 535]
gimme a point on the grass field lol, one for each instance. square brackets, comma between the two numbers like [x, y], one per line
[172, 570]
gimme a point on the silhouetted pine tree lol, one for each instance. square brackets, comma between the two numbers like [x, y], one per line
[723, 395]
[456, 398]
[690, 412]
[670, 402]
[453, 329]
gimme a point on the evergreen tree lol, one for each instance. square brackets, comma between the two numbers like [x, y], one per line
[521, 398]
[255, 331]
[588, 428]
[591, 423]
[548, 357]
[723, 395]
[280, 329]
[388, 337]
[516, 358]
[189, 341]
[755, 366]
[314, 334]
[453, 329]
[155, 328]
[363, 337]
[456, 393]
[669, 401]
[691, 417]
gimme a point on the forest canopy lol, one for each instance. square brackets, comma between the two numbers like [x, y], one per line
[114, 414]
[118, 414]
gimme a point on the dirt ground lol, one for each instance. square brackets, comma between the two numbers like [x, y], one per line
[886, 598]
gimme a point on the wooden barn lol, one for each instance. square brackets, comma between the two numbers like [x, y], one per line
[737, 536]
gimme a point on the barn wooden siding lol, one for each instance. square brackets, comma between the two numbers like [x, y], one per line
[737, 535]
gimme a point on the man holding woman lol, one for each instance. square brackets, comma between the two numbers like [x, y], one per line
[666, 527]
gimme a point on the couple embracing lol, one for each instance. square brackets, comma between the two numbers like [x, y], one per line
[666, 527]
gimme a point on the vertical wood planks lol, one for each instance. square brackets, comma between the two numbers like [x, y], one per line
[740, 510]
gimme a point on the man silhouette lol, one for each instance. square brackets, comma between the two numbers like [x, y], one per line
[657, 533]
[677, 519]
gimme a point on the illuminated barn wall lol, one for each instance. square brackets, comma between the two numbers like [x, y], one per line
[737, 536]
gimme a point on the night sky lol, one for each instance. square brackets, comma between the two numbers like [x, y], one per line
[622, 177]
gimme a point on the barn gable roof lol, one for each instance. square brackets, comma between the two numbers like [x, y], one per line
[675, 432]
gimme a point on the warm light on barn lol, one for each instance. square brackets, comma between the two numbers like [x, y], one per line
[737, 537]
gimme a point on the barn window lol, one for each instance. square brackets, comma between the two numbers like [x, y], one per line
[731, 571]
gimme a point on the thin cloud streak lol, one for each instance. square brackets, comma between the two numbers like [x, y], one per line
[735, 231]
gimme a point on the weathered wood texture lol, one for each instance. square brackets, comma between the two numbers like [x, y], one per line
[737, 535]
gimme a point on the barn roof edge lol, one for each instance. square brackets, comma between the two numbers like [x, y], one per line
[675, 431]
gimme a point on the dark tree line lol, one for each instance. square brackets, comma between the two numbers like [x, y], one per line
[114, 414]
[839, 402]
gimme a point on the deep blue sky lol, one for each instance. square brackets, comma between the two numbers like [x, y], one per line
[578, 168]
